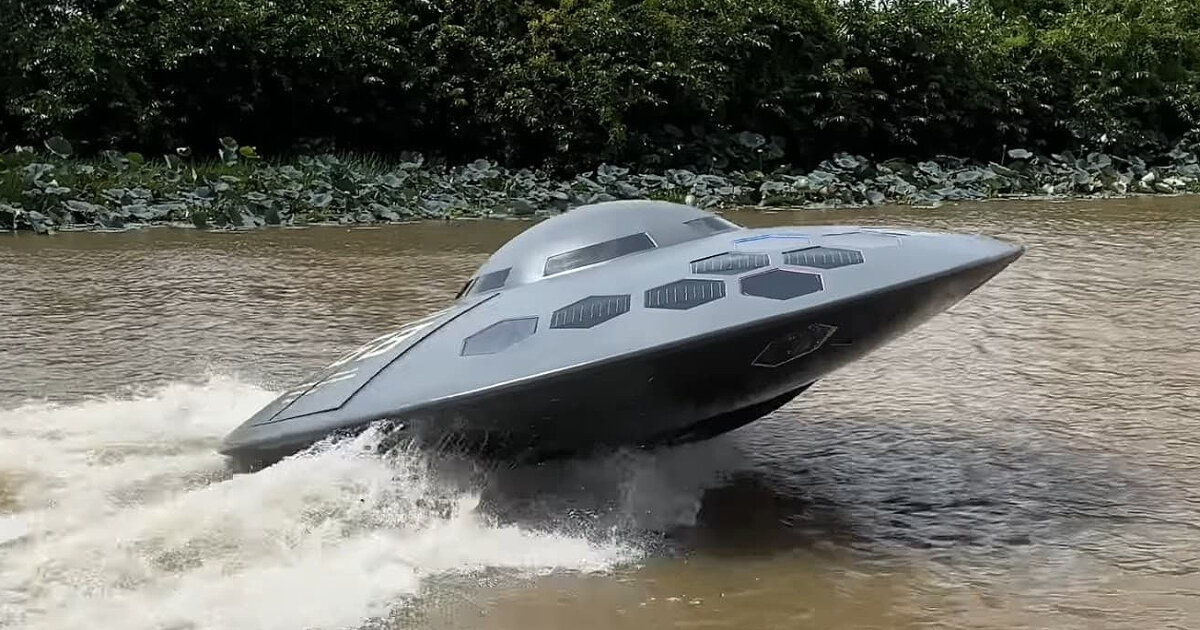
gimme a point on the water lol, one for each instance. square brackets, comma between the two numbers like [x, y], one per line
[1029, 459]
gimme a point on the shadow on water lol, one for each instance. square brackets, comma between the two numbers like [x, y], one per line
[754, 514]
[867, 485]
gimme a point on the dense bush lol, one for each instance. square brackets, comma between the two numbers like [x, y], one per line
[709, 84]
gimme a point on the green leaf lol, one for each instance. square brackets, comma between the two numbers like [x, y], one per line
[248, 153]
[751, 140]
[135, 158]
[115, 158]
[60, 147]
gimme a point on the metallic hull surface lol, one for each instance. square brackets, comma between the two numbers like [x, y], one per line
[672, 343]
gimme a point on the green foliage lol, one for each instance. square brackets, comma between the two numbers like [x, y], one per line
[920, 77]
[710, 85]
[1128, 73]
[46, 191]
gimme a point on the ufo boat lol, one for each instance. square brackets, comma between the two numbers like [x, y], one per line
[630, 324]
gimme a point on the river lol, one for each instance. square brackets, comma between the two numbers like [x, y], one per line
[1030, 458]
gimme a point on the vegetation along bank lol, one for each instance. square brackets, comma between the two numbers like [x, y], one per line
[523, 106]
[242, 191]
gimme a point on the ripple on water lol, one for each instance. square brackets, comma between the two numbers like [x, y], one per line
[1028, 459]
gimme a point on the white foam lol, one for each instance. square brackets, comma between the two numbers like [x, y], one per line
[127, 518]
[11, 529]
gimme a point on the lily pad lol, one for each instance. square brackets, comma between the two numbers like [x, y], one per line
[82, 207]
[114, 158]
[846, 162]
[1003, 171]
[59, 146]
[522, 207]
[613, 171]
[1099, 160]
[682, 177]
[751, 140]
[932, 169]
[38, 221]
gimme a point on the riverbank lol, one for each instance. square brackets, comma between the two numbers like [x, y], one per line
[51, 190]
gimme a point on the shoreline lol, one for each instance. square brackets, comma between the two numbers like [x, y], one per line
[377, 225]
[123, 192]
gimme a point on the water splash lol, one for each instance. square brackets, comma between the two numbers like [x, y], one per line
[125, 517]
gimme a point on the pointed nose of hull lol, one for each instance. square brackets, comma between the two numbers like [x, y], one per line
[996, 250]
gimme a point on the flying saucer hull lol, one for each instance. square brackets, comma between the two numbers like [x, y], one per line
[691, 391]
[645, 348]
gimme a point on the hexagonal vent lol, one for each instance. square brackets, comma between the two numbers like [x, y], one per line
[590, 311]
[684, 294]
[778, 284]
[794, 345]
[822, 257]
[730, 263]
[499, 336]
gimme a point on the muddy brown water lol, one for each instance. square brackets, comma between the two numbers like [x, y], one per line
[1030, 458]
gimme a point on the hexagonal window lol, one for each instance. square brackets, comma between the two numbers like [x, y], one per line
[794, 345]
[730, 263]
[499, 336]
[590, 311]
[684, 294]
[778, 284]
[822, 257]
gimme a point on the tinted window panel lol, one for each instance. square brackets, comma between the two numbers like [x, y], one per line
[599, 252]
[491, 281]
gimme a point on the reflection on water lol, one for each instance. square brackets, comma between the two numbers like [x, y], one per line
[1027, 459]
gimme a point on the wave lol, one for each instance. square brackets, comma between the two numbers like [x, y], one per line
[119, 513]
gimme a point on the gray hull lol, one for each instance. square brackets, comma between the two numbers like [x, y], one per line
[631, 324]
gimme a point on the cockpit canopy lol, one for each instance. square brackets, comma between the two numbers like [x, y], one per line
[592, 235]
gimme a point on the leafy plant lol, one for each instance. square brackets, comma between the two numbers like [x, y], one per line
[566, 85]
[45, 191]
